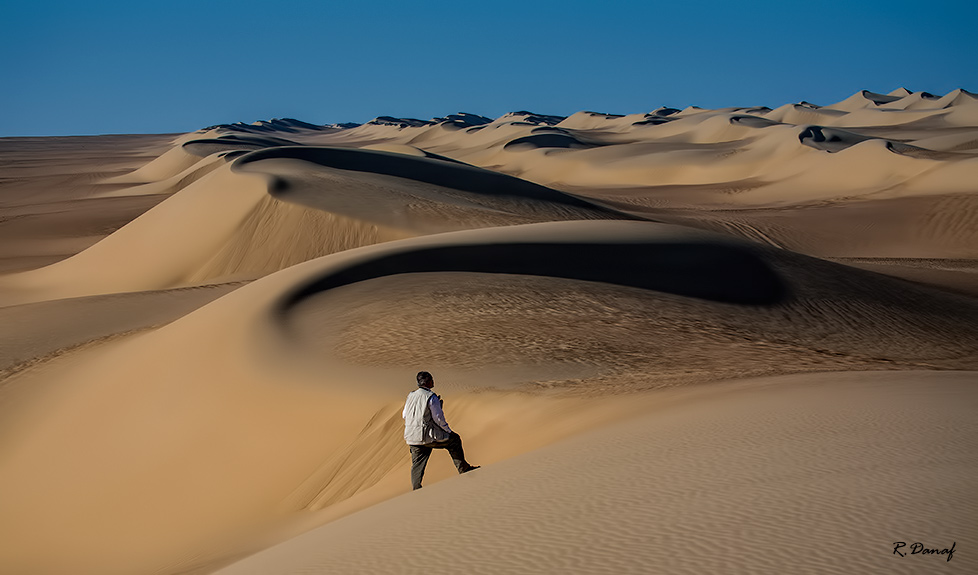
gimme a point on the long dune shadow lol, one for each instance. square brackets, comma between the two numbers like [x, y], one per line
[207, 146]
[432, 171]
[830, 139]
[551, 140]
[719, 272]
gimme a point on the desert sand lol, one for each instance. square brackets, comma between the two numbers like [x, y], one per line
[741, 340]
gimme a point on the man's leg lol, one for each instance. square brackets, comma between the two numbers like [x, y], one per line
[419, 460]
[454, 446]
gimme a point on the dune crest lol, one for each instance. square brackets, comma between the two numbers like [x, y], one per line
[243, 213]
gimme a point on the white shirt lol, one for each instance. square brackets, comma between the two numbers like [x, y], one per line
[434, 404]
[424, 420]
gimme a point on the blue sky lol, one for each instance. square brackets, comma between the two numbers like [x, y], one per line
[176, 66]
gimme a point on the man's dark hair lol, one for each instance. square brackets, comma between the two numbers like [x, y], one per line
[425, 379]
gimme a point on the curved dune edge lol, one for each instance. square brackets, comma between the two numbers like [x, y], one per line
[815, 473]
[235, 373]
[170, 184]
[170, 163]
[426, 169]
[474, 301]
[160, 249]
[276, 207]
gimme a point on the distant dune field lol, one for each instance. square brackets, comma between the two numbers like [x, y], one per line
[682, 341]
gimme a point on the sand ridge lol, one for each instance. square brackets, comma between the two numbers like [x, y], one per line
[242, 216]
[872, 160]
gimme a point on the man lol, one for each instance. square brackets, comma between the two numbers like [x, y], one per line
[425, 429]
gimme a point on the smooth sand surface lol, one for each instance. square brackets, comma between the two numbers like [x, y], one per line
[704, 485]
[733, 340]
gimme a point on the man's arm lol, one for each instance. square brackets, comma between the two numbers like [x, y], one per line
[437, 414]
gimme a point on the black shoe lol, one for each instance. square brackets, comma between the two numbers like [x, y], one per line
[469, 468]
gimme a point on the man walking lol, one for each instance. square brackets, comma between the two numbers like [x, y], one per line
[425, 429]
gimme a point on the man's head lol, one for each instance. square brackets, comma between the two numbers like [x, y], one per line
[425, 380]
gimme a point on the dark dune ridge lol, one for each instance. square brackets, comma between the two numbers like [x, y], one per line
[830, 139]
[552, 140]
[463, 120]
[452, 175]
[652, 121]
[836, 140]
[534, 118]
[288, 125]
[460, 120]
[549, 130]
[755, 110]
[753, 122]
[207, 146]
[879, 99]
[820, 110]
[657, 117]
[249, 143]
[715, 271]
[663, 111]
[399, 122]
[649, 299]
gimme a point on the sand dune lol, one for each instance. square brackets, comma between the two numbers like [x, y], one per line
[249, 215]
[736, 158]
[705, 487]
[651, 329]
[160, 249]
[766, 310]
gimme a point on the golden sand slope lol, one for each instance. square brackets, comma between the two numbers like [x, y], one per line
[270, 209]
[802, 474]
[548, 311]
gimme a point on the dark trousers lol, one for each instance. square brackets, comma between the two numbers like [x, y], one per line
[421, 453]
